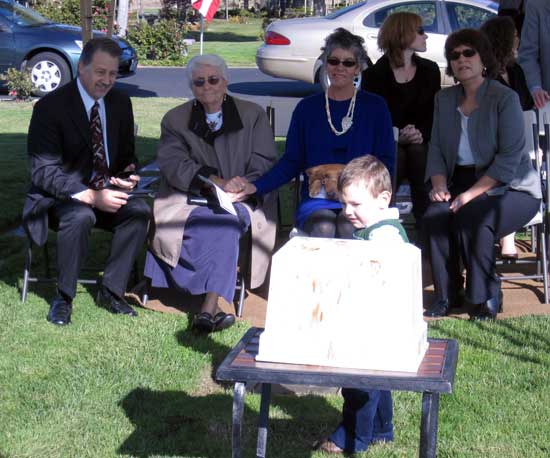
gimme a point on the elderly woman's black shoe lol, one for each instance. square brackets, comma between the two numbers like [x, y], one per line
[438, 309]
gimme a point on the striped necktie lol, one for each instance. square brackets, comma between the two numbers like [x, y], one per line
[100, 168]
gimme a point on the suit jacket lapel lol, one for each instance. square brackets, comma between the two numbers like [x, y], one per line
[112, 136]
[79, 115]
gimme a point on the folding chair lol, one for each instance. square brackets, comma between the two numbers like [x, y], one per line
[539, 225]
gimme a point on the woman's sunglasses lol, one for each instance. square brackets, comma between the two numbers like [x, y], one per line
[468, 52]
[212, 80]
[346, 63]
[420, 31]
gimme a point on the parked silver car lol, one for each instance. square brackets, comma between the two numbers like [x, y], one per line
[293, 46]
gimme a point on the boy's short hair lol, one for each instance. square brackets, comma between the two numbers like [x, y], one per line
[369, 170]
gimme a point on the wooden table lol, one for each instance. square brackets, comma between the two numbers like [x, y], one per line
[435, 375]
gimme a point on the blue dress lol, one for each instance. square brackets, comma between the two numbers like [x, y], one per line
[311, 142]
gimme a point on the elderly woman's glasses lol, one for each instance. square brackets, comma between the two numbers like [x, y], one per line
[212, 80]
[420, 31]
[468, 52]
[346, 63]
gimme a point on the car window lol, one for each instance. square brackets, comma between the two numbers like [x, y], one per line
[338, 13]
[21, 15]
[426, 10]
[466, 16]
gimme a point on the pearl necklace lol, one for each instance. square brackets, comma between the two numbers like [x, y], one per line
[347, 120]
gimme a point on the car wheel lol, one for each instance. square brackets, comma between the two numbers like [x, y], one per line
[48, 72]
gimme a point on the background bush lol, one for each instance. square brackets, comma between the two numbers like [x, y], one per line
[19, 83]
[68, 12]
[162, 40]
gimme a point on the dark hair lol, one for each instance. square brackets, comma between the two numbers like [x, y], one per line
[368, 170]
[99, 44]
[397, 33]
[344, 39]
[476, 40]
[501, 32]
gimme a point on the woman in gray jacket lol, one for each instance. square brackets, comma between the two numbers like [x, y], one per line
[484, 185]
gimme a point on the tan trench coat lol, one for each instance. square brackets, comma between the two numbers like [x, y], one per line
[248, 150]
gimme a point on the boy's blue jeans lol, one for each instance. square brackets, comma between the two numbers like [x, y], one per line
[366, 418]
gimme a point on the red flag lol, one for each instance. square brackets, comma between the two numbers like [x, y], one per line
[206, 7]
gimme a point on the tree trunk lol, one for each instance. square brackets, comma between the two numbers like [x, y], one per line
[86, 20]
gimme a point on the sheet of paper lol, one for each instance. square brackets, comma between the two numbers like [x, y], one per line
[223, 198]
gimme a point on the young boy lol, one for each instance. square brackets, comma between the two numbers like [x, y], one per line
[365, 192]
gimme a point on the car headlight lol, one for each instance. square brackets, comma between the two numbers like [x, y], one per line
[79, 43]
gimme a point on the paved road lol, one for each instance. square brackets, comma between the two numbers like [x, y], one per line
[173, 82]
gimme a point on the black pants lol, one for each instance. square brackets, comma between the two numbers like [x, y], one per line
[471, 233]
[328, 223]
[411, 165]
[74, 221]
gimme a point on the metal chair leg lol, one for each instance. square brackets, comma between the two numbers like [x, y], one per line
[145, 296]
[242, 294]
[26, 274]
[543, 243]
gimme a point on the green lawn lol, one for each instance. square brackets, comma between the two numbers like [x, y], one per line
[236, 43]
[110, 386]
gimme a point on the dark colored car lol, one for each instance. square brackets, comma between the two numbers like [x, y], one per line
[49, 50]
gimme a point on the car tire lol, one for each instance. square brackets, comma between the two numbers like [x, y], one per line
[49, 71]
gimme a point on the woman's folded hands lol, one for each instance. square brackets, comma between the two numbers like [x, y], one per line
[239, 188]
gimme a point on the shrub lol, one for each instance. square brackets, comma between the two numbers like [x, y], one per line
[163, 40]
[68, 12]
[19, 83]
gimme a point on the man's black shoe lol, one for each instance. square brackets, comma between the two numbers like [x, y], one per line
[438, 309]
[113, 303]
[60, 311]
[488, 310]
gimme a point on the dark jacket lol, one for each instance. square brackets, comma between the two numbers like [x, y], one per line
[59, 145]
[419, 111]
[519, 84]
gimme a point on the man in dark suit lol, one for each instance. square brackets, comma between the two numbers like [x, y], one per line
[81, 150]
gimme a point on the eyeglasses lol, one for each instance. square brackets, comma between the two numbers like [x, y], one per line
[212, 80]
[468, 52]
[334, 61]
[420, 31]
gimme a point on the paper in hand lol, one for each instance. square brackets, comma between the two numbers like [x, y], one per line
[223, 199]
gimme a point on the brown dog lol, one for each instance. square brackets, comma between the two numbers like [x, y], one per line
[325, 175]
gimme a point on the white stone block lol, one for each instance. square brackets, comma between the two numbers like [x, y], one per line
[345, 303]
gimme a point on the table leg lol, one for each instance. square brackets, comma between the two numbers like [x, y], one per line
[264, 418]
[428, 426]
[238, 410]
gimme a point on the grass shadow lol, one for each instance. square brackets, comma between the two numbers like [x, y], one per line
[174, 423]
[518, 341]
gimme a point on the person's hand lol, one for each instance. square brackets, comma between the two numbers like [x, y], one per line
[107, 200]
[235, 184]
[541, 98]
[460, 201]
[440, 194]
[410, 134]
[127, 183]
[248, 190]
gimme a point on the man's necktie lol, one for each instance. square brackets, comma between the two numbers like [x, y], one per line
[100, 168]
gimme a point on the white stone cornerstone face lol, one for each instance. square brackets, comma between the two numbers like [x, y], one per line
[345, 303]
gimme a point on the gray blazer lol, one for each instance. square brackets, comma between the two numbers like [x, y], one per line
[534, 51]
[496, 135]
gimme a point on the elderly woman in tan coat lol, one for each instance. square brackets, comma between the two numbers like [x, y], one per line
[195, 248]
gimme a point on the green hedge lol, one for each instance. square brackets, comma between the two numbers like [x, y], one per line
[162, 40]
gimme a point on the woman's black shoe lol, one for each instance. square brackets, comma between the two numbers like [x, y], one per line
[203, 322]
[438, 309]
[223, 320]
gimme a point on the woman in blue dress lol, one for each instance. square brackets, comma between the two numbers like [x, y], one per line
[330, 128]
